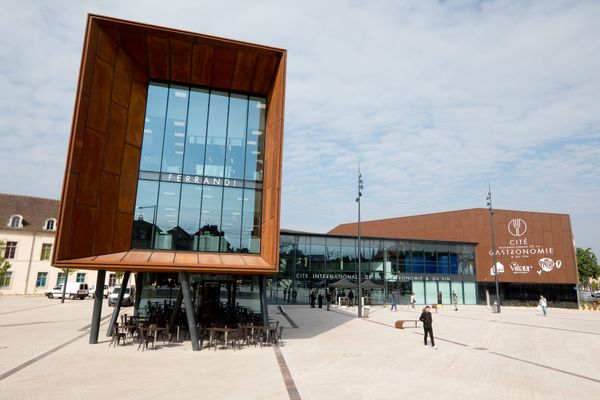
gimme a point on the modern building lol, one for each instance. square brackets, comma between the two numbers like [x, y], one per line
[174, 162]
[28, 228]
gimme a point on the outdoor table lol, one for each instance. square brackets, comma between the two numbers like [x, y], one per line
[155, 329]
[267, 330]
[223, 330]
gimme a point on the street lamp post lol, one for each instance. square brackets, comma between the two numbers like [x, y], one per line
[360, 187]
[495, 267]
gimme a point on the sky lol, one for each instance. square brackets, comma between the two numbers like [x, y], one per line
[435, 99]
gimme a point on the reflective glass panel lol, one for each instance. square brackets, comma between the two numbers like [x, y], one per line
[154, 127]
[196, 132]
[174, 141]
[144, 223]
[255, 139]
[251, 221]
[232, 219]
[189, 217]
[236, 136]
[166, 216]
[210, 220]
[217, 132]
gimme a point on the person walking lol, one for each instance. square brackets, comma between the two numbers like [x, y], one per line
[413, 300]
[427, 326]
[543, 305]
[320, 299]
[350, 298]
[455, 301]
[312, 298]
[328, 299]
[394, 303]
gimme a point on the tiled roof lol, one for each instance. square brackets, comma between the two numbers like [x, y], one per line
[34, 210]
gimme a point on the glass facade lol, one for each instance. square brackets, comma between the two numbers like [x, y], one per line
[201, 171]
[402, 267]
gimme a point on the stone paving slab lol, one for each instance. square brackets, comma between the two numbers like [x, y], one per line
[518, 354]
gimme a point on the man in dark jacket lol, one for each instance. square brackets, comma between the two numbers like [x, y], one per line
[427, 325]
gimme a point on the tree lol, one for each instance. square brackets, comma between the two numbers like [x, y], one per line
[4, 265]
[588, 265]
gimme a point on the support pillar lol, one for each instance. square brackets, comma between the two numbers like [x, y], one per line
[189, 309]
[262, 287]
[176, 308]
[139, 285]
[97, 312]
[117, 309]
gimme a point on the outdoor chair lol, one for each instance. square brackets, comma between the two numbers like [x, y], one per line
[117, 336]
[277, 337]
[146, 337]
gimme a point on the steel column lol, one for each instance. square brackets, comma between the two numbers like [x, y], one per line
[189, 309]
[97, 312]
[119, 302]
[262, 287]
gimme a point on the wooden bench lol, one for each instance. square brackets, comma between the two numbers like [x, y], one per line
[400, 323]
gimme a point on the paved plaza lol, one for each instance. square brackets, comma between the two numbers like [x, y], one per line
[518, 354]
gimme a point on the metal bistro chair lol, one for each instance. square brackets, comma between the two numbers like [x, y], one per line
[146, 337]
[117, 336]
[277, 337]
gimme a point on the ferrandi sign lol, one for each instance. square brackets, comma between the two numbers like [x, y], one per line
[524, 257]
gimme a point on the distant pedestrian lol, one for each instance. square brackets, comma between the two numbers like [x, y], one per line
[350, 298]
[320, 299]
[413, 300]
[394, 303]
[328, 299]
[427, 326]
[294, 296]
[455, 301]
[284, 293]
[543, 305]
[312, 298]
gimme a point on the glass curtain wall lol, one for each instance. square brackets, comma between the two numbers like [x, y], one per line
[201, 171]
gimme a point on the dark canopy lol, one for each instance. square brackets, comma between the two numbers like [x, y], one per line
[343, 283]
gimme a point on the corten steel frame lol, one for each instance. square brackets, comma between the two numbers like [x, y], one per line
[99, 189]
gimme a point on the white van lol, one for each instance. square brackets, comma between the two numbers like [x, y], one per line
[74, 289]
[128, 296]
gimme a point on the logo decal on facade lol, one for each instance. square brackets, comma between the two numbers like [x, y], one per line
[499, 268]
[517, 227]
[548, 264]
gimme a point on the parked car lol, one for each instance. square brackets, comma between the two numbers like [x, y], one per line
[596, 294]
[128, 296]
[93, 291]
[74, 290]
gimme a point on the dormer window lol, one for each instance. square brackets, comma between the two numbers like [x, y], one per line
[16, 221]
[50, 224]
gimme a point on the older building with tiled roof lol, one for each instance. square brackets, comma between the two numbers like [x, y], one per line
[28, 228]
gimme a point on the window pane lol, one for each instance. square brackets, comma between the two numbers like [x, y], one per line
[189, 217]
[236, 135]
[154, 127]
[196, 132]
[210, 219]
[255, 139]
[232, 219]
[166, 216]
[174, 141]
[252, 221]
[217, 129]
[144, 224]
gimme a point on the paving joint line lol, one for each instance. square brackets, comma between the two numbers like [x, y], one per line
[290, 385]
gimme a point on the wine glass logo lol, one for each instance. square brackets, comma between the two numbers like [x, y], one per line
[517, 227]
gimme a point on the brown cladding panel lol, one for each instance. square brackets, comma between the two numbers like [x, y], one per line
[129, 175]
[107, 205]
[116, 139]
[137, 110]
[245, 62]
[136, 46]
[158, 57]
[81, 241]
[264, 72]
[91, 165]
[100, 97]
[89, 58]
[68, 204]
[122, 232]
[223, 64]
[107, 47]
[79, 134]
[202, 60]
[181, 60]
[122, 81]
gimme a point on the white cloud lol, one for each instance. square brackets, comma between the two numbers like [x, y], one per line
[436, 99]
